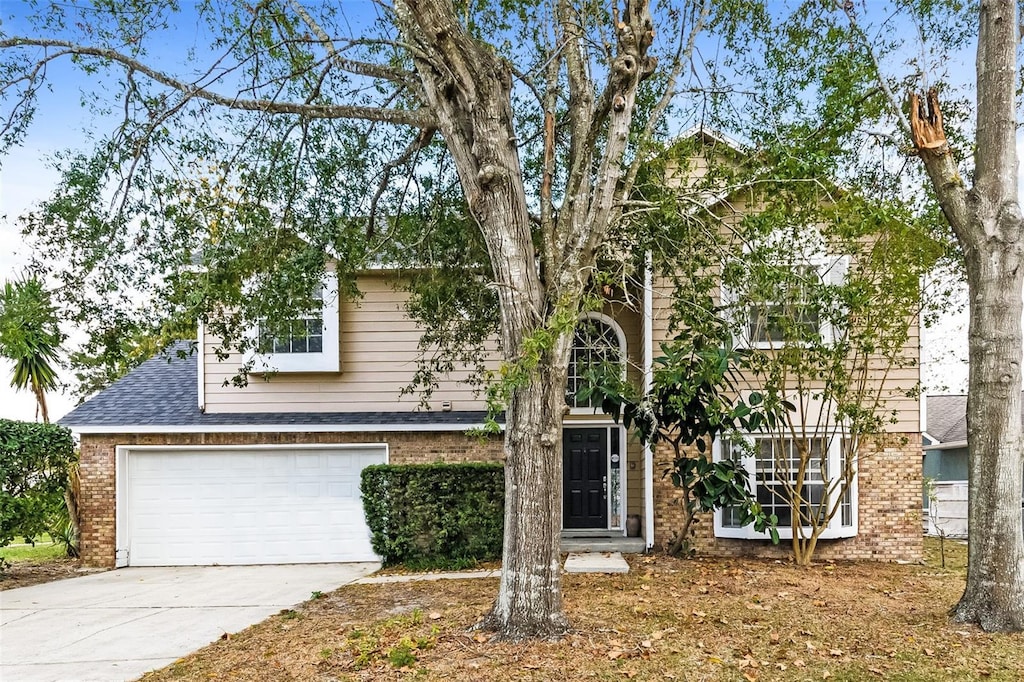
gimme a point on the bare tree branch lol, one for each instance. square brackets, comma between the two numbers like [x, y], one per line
[682, 59]
[417, 118]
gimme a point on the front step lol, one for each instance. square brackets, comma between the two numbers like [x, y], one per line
[596, 562]
[603, 541]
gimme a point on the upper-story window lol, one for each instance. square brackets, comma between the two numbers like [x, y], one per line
[773, 464]
[792, 305]
[303, 335]
[598, 342]
[306, 344]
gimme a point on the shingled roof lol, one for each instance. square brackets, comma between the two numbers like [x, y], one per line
[947, 418]
[163, 391]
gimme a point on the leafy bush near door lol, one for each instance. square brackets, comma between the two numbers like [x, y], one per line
[35, 460]
[435, 515]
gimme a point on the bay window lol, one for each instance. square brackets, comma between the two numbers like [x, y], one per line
[793, 476]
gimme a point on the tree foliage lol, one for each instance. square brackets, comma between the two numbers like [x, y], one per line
[30, 337]
[837, 86]
[34, 464]
[692, 402]
[494, 139]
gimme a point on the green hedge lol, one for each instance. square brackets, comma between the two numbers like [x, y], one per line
[435, 515]
[34, 463]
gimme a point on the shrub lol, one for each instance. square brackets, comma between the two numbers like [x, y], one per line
[34, 463]
[435, 515]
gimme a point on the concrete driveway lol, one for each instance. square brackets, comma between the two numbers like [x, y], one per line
[119, 624]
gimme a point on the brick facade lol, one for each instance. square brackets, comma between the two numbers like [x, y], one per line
[889, 499]
[98, 465]
[889, 483]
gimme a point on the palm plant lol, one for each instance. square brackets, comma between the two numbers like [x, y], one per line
[30, 337]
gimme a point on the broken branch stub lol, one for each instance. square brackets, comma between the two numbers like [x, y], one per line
[926, 123]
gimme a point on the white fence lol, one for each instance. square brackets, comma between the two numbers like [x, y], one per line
[947, 509]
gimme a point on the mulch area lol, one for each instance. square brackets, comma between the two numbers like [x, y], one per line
[25, 573]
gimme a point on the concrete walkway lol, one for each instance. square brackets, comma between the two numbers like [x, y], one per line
[119, 624]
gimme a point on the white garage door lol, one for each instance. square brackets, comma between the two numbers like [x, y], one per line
[245, 506]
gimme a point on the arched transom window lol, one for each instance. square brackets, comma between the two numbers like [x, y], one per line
[599, 341]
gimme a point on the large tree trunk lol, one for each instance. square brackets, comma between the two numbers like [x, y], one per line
[994, 597]
[988, 224]
[469, 89]
[529, 602]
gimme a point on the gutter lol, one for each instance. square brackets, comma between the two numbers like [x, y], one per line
[648, 370]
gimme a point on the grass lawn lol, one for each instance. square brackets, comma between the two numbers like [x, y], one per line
[34, 564]
[667, 619]
[44, 550]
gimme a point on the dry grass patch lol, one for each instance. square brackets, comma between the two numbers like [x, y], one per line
[667, 619]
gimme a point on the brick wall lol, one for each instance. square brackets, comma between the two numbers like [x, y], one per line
[98, 466]
[889, 489]
[889, 499]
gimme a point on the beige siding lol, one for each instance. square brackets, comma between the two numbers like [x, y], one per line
[378, 357]
[892, 383]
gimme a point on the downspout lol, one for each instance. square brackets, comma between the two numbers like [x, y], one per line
[648, 343]
[201, 366]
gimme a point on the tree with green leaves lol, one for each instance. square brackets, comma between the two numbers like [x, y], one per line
[827, 300]
[34, 463]
[496, 141]
[831, 80]
[820, 287]
[693, 401]
[30, 337]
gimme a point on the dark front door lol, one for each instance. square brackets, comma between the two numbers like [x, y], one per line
[585, 478]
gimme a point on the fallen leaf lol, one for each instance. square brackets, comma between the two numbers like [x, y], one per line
[647, 644]
[774, 638]
[825, 675]
[836, 652]
[612, 655]
[480, 637]
[435, 616]
[799, 663]
[750, 676]
[929, 652]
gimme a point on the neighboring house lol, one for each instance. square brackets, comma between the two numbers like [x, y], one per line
[180, 467]
[945, 464]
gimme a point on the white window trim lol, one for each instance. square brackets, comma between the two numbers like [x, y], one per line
[835, 529]
[620, 337]
[831, 270]
[327, 360]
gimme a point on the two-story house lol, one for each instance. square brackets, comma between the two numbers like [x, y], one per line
[180, 467]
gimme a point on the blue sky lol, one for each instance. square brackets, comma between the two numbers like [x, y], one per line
[26, 177]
